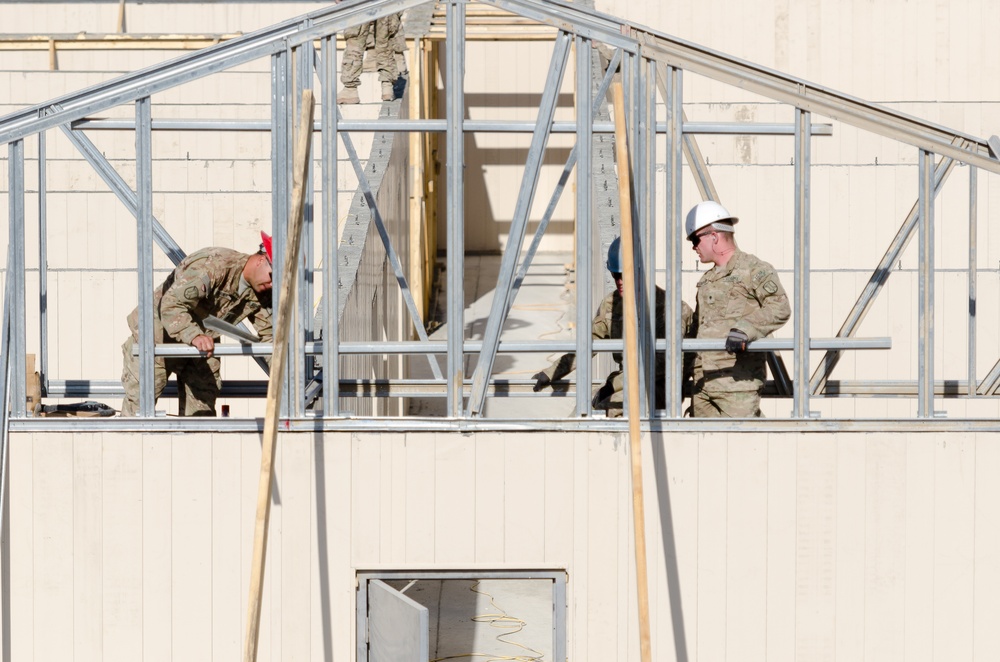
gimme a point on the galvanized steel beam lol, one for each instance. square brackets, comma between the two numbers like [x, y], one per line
[800, 321]
[925, 308]
[455, 206]
[16, 275]
[144, 253]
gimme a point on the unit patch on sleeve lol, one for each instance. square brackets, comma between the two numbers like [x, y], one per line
[191, 293]
[770, 287]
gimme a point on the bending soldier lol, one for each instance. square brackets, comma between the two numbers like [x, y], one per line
[739, 299]
[217, 282]
[607, 324]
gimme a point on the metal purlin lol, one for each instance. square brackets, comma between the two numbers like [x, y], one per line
[455, 149]
[144, 252]
[519, 224]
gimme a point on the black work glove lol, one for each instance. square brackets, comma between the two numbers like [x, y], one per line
[737, 341]
[541, 381]
[602, 394]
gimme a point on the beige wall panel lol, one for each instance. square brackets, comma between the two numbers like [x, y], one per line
[366, 506]
[849, 570]
[986, 585]
[579, 642]
[918, 565]
[747, 516]
[419, 497]
[157, 544]
[88, 534]
[782, 515]
[490, 479]
[605, 547]
[815, 559]
[455, 504]
[227, 579]
[558, 530]
[297, 526]
[524, 509]
[122, 562]
[712, 547]
[886, 546]
[954, 547]
[191, 555]
[52, 535]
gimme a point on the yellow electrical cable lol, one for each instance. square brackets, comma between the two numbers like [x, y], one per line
[500, 621]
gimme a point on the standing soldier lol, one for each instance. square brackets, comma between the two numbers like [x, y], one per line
[217, 282]
[385, 58]
[739, 299]
[607, 324]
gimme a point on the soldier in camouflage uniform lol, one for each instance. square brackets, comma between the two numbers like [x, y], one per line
[356, 37]
[607, 324]
[739, 299]
[217, 282]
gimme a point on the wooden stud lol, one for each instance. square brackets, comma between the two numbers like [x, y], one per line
[303, 143]
[631, 332]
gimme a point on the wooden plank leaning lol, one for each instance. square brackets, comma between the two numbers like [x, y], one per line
[286, 299]
[631, 333]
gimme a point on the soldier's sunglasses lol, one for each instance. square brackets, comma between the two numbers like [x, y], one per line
[696, 239]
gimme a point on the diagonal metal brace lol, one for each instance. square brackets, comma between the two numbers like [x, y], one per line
[879, 277]
[397, 267]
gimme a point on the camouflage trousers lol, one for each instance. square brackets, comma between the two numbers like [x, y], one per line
[725, 404]
[198, 382]
[385, 54]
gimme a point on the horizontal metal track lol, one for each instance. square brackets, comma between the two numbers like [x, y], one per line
[440, 126]
[472, 347]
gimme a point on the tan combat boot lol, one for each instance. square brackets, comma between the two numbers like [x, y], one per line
[348, 95]
[388, 93]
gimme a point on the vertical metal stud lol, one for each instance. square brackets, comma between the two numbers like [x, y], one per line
[803, 158]
[925, 326]
[144, 249]
[674, 243]
[455, 139]
[43, 265]
[584, 226]
[281, 139]
[331, 235]
[973, 274]
[16, 272]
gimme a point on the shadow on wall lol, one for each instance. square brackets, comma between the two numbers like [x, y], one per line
[483, 229]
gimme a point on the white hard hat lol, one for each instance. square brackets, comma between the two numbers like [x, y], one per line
[707, 213]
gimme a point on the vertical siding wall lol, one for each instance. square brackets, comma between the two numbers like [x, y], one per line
[777, 546]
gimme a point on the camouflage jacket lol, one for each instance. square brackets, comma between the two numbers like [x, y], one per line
[206, 283]
[746, 295]
[608, 324]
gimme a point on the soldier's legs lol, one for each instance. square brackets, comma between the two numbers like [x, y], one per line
[399, 48]
[350, 66]
[198, 385]
[611, 396]
[385, 56]
[130, 378]
[725, 404]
